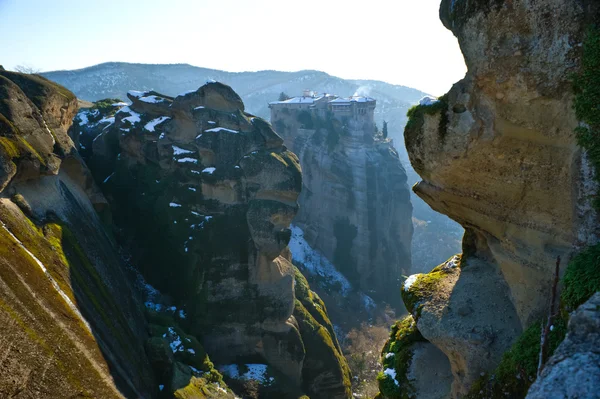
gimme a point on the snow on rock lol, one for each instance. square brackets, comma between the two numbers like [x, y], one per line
[83, 117]
[109, 120]
[410, 281]
[151, 99]
[220, 129]
[256, 372]
[136, 94]
[428, 101]
[315, 262]
[155, 122]
[200, 107]
[391, 373]
[180, 151]
[175, 344]
[174, 205]
[121, 104]
[133, 117]
[187, 160]
[208, 170]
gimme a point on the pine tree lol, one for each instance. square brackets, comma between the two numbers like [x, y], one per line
[283, 96]
[385, 130]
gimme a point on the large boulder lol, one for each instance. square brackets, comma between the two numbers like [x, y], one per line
[204, 194]
[500, 155]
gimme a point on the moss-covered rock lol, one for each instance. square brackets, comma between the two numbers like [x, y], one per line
[396, 357]
[204, 194]
[325, 371]
[418, 288]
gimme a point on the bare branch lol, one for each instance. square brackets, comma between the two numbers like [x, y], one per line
[544, 341]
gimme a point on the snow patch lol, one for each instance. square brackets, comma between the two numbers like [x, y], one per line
[220, 129]
[174, 205]
[410, 281]
[83, 118]
[133, 117]
[427, 101]
[315, 262]
[187, 160]
[180, 151]
[152, 99]
[155, 122]
[208, 170]
[391, 373]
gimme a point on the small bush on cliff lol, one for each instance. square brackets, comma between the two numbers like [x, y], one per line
[582, 278]
[587, 97]
[416, 114]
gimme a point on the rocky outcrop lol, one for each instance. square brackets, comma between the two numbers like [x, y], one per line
[499, 154]
[574, 369]
[355, 205]
[71, 323]
[203, 194]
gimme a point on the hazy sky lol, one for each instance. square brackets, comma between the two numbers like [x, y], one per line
[397, 41]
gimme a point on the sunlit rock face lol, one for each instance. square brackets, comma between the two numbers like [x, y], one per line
[71, 323]
[355, 203]
[204, 194]
[499, 155]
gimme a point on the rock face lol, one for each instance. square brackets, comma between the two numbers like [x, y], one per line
[574, 369]
[355, 205]
[499, 155]
[70, 323]
[204, 193]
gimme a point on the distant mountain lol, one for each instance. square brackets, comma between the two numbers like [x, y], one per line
[257, 89]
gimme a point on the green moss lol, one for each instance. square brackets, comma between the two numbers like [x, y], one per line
[403, 335]
[582, 277]
[321, 352]
[586, 86]
[518, 368]
[106, 106]
[425, 286]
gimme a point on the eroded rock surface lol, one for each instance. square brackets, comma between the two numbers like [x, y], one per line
[71, 324]
[355, 203]
[204, 194]
[499, 155]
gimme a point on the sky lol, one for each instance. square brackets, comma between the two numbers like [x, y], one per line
[396, 41]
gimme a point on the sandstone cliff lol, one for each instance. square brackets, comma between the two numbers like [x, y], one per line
[202, 194]
[70, 323]
[502, 154]
[355, 205]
